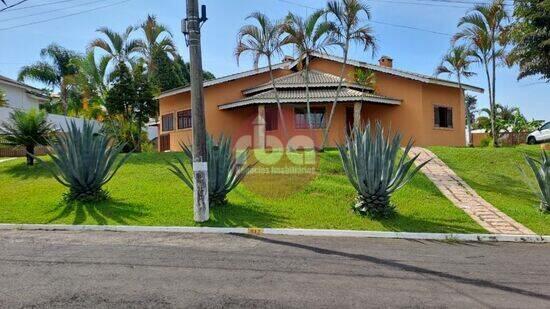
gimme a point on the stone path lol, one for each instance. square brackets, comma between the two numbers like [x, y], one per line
[465, 198]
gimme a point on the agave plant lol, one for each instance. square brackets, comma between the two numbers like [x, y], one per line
[225, 169]
[84, 160]
[541, 169]
[370, 162]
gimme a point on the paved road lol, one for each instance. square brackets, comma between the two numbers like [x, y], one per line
[162, 270]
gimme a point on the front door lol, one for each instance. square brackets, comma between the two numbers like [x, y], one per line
[164, 142]
[349, 119]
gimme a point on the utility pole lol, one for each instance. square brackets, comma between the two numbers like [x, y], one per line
[191, 28]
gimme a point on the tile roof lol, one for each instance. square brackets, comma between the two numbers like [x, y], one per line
[316, 96]
[30, 89]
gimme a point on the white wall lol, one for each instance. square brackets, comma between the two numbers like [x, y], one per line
[19, 98]
[59, 121]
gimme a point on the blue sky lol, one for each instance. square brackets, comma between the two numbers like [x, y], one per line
[413, 50]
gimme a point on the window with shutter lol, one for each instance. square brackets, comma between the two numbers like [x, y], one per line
[168, 122]
[443, 117]
[184, 119]
[271, 119]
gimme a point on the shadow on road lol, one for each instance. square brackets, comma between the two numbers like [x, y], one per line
[402, 267]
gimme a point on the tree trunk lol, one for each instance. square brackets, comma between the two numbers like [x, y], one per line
[491, 103]
[469, 142]
[497, 134]
[63, 96]
[308, 106]
[30, 154]
[281, 115]
[338, 90]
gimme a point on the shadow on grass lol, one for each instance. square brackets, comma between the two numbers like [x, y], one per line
[246, 214]
[22, 171]
[101, 213]
[415, 224]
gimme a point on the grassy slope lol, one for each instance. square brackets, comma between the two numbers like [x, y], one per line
[146, 193]
[494, 174]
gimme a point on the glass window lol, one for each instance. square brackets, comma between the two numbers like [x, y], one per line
[317, 118]
[546, 126]
[443, 117]
[184, 119]
[168, 122]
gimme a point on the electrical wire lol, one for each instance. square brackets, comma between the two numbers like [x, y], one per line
[51, 11]
[13, 5]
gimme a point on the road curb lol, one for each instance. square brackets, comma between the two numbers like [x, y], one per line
[289, 232]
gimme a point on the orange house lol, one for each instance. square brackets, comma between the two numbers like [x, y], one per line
[243, 106]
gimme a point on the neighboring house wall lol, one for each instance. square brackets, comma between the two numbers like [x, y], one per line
[19, 98]
[59, 121]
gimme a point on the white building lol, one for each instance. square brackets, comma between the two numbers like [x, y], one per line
[20, 95]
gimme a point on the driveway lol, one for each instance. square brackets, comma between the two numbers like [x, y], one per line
[165, 270]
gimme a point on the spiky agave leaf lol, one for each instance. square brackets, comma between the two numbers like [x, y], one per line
[84, 160]
[541, 170]
[225, 169]
[371, 165]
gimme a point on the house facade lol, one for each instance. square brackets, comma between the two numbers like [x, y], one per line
[243, 106]
[20, 95]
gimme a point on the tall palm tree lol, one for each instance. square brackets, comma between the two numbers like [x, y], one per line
[91, 80]
[483, 27]
[457, 62]
[55, 72]
[157, 39]
[262, 40]
[119, 48]
[309, 36]
[350, 28]
[365, 79]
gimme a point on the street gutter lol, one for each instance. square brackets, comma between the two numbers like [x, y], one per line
[288, 232]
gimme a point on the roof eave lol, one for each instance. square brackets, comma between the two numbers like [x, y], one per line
[250, 102]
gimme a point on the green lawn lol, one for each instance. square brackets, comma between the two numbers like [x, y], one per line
[494, 174]
[144, 192]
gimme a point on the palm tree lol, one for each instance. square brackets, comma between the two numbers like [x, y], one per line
[309, 36]
[157, 39]
[54, 73]
[483, 28]
[365, 79]
[457, 62]
[27, 129]
[349, 29]
[118, 46]
[91, 80]
[262, 40]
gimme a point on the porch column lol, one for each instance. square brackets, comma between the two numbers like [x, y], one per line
[357, 114]
[259, 128]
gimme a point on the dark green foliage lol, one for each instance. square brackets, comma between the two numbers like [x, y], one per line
[84, 160]
[531, 35]
[541, 170]
[225, 169]
[370, 162]
[122, 94]
[167, 74]
[28, 129]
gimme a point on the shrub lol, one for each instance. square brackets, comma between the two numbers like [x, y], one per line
[486, 142]
[84, 160]
[225, 169]
[541, 169]
[370, 162]
[27, 129]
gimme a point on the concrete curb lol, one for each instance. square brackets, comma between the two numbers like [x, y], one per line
[289, 232]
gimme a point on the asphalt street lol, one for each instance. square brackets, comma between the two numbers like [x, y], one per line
[41, 269]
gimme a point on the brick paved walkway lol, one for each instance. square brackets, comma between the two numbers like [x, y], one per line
[465, 198]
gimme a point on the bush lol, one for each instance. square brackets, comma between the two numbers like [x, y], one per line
[27, 129]
[541, 170]
[225, 169]
[370, 162]
[486, 142]
[84, 160]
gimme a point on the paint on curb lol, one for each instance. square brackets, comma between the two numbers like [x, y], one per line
[287, 232]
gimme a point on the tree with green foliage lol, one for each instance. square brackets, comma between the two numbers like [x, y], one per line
[54, 73]
[457, 62]
[122, 94]
[145, 105]
[349, 27]
[166, 75]
[530, 34]
[28, 129]
[118, 47]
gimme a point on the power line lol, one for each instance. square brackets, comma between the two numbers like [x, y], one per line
[40, 5]
[63, 16]
[50, 11]
[13, 5]
[378, 22]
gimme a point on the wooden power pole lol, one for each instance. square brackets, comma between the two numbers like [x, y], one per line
[200, 167]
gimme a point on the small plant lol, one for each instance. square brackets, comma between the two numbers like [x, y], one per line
[3, 99]
[84, 160]
[370, 162]
[225, 169]
[541, 169]
[28, 129]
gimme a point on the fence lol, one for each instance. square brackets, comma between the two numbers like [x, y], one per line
[506, 139]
